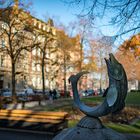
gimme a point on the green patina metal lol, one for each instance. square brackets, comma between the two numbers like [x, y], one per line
[90, 127]
[115, 94]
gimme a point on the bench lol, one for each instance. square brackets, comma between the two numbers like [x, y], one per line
[38, 121]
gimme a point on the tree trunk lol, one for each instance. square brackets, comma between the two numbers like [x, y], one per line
[81, 55]
[80, 62]
[65, 84]
[138, 84]
[13, 83]
[43, 77]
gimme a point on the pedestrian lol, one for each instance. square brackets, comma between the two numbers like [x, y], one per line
[51, 96]
[54, 94]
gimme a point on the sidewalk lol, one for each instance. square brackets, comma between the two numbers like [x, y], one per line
[27, 105]
[33, 104]
[133, 136]
[23, 135]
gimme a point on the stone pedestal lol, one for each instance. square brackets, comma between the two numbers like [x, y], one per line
[89, 129]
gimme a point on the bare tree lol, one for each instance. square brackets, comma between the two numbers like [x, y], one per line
[101, 47]
[46, 48]
[17, 32]
[125, 14]
[83, 28]
[67, 47]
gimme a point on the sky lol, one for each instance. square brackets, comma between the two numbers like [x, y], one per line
[63, 13]
[55, 8]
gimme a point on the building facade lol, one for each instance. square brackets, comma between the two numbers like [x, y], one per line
[28, 66]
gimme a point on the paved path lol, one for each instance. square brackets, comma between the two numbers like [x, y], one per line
[19, 105]
[133, 136]
[33, 104]
[21, 135]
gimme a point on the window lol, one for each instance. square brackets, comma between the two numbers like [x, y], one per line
[48, 29]
[3, 26]
[38, 52]
[35, 23]
[34, 81]
[44, 27]
[39, 38]
[2, 43]
[34, 52]
[40, 26]
[1, 61]
[47, 69]
[1, 77]
[38, 81]
[33, 66]
[38, 68]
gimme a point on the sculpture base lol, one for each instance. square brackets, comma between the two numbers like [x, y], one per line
[89, 129]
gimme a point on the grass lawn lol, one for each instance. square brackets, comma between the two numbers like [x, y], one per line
[123, 128]
[133, 99]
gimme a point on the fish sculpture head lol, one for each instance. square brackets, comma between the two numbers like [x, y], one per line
[115, 69]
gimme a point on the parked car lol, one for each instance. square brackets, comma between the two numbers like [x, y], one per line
[82, 93]
[7, 95]
[29, 91]
[88, 92]
[25, 94]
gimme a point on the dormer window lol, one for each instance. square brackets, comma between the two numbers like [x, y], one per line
[48, 29]
[44, 27]
[35, 23]
[39, 26]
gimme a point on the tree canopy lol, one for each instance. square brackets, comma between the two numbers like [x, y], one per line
[123, 14]
[133, 44]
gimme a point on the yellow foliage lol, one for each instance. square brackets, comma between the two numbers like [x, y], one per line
[133, 44]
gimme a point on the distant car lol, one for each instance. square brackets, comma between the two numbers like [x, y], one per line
[29, 91]
[7, 95]
[82, 93]
[26, 94]
[38, 91]
[58, 94]
[90, 92]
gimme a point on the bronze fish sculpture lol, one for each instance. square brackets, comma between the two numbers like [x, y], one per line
[114, 95]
